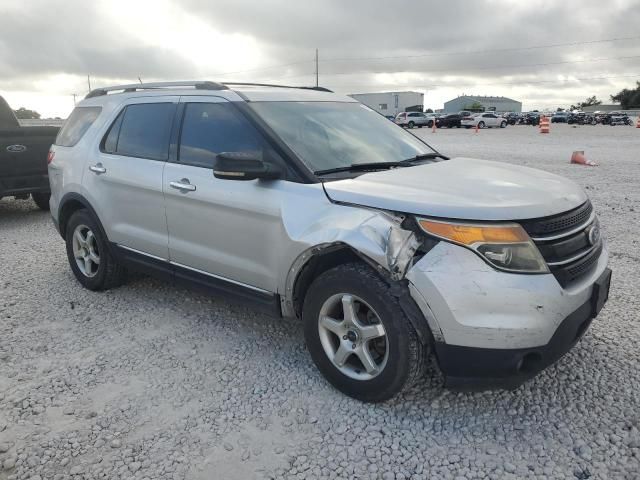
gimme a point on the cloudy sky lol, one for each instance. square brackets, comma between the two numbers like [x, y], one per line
[546, 53]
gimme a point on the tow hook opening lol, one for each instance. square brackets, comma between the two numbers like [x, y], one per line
[529, 362]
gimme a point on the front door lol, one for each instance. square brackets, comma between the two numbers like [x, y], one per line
[227, 229]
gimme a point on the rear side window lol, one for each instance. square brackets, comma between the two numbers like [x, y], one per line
[145, 131]
[212, 128]
[141, 130]
[77, 125]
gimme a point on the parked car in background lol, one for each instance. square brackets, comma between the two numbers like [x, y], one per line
[451, 120]
[560, 117]
[414, 119]
[23, 158]
[532, 118]
[619, 119]
[484, 120]
[311, 206]
[511, 117]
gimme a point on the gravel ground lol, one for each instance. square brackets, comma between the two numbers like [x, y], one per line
[152, 382]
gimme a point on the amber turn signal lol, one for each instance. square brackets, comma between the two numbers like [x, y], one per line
[471, 234]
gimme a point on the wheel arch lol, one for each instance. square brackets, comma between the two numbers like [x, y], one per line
[319, 259]
[71, 203]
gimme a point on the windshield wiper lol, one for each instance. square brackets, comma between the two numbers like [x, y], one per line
[424, 156]
[355, 167]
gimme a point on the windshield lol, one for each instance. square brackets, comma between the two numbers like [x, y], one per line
[328, 135]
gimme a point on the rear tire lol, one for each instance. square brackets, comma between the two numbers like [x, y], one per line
[41, 200]
[396, 357]
[411, 124]
[480, 124]
[89, 255]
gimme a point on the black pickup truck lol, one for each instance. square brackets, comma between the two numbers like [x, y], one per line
[23, 158]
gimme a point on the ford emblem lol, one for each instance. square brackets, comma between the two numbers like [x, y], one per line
[16, 148]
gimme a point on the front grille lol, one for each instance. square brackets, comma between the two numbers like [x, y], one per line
[558, 223]
[563, 241]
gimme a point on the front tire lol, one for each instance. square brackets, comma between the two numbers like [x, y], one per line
[503, 124]
[359, 336]
[41, 200]
[88, 252]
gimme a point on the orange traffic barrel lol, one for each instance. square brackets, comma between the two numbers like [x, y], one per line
[544, 125]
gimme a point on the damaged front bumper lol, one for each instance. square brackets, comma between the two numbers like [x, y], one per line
[497, 329]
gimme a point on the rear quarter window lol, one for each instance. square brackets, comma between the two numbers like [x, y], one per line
[77, 125]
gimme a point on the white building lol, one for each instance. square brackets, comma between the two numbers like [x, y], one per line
[489, 104]
[392, 103]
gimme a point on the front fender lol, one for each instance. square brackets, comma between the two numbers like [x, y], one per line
[374, 235]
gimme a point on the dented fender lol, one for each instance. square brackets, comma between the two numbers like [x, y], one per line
[374, 235]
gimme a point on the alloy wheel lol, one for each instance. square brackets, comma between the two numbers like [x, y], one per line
[85, 251]
[353, 336]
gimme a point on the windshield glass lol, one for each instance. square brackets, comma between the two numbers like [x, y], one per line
[329, 135]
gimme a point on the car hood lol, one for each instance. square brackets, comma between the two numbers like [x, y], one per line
[462, 188]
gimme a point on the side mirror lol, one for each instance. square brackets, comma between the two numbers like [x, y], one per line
[243, 166]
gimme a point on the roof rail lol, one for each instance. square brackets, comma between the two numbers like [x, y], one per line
[134, 87]
[319, 89]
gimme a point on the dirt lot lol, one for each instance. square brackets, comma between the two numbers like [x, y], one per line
[148, 381]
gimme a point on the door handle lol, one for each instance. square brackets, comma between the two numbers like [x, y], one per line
[98, 168]
[183, 185]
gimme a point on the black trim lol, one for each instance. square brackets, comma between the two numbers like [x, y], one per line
[561, 250]
[160, 269]
[176, 132]
[556, 224]
[471, 367]
[266, 302]
[566, 274]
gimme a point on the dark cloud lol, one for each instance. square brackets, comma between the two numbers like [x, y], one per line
[457, 44]
[46, 37]
[379, 28]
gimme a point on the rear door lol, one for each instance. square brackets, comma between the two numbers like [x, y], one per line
[125, 177]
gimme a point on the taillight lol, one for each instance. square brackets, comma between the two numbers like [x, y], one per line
[50, 156]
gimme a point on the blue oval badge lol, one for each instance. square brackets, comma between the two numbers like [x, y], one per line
[16, 148]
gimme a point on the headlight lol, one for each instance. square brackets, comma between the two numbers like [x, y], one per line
[505, 246]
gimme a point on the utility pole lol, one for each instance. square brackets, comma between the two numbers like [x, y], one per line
[317, 67]
[74, 95]
[89, 81]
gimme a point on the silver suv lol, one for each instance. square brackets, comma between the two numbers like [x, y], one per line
[414, 119]
[311, 205]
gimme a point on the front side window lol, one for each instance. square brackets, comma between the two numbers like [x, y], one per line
[212, 128]
[144, 131]
[338, 134]
[77, 125]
